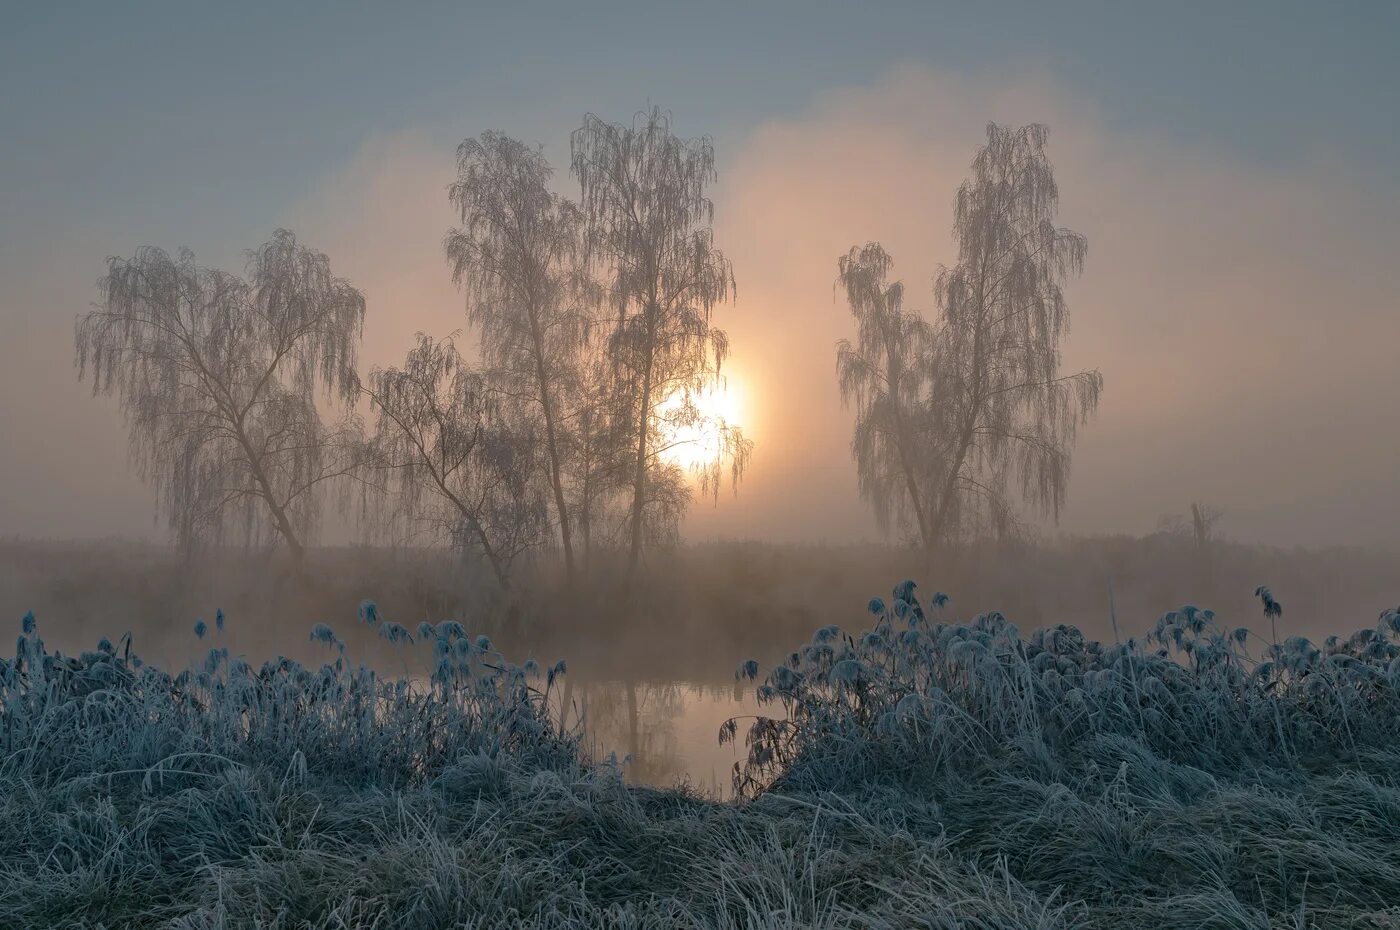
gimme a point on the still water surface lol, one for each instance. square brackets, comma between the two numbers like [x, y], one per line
[667, 733]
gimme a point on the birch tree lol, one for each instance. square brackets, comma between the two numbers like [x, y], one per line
[996, 357]
[217, 376]
[457, 461]
[994, 418]
[648, 230]
[599, 459]
[515, 257]
[884, 375]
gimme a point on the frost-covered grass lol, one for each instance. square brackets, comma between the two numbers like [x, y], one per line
[918, 774]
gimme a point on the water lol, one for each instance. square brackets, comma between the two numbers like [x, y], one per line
[668, 732]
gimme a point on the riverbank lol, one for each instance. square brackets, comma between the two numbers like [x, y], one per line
[916, 774]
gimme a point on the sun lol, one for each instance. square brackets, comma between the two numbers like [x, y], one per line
[692, 421]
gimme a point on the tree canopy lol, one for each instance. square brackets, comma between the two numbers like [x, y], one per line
[960, 421]
[217, 375]
[648, 232]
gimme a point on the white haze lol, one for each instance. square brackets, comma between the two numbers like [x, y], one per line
[1244, 317]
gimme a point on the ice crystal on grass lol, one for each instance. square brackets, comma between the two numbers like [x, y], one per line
[394, 632]
[917, 773]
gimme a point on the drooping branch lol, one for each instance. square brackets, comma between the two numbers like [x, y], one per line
[217, 376]
[453, 459]
[949, 415]
[647, 219]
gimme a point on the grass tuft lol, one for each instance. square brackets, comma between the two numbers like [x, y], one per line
[918, 773]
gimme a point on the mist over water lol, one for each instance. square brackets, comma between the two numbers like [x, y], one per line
[1200, 302]
[706, 609]
[703, 466]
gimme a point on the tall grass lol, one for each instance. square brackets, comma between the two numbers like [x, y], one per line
[921, 773]
[1134, 777]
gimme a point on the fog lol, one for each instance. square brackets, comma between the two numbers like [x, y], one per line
[1240, 298]
[1243, 315]
[710, 465]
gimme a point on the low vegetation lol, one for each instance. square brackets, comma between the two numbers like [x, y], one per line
[918, 774]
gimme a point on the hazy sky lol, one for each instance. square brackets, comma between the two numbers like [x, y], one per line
[1237, 172]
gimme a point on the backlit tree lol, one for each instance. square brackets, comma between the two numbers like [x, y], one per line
[647, 220]
[218, 375]
[959, 422]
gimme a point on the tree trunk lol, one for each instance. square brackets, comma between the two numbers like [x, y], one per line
[639, 478]
[903, 441]
[974, 413]
[920, 511]
[565, 533]
[279, 513]
[639, 484]
[555, 471]
[492, 558]
[585, 518]
[498, 569]
[295, 548]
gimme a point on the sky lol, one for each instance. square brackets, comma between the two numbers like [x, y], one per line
[1236, 171]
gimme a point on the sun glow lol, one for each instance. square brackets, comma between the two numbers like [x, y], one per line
[694, 422]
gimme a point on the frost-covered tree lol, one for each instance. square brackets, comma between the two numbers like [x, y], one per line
[996, 362]
[515, 255]
[648, 230]
[599, 460]
[218, 374]
[884, 374]
[993, 418]
[456, 458]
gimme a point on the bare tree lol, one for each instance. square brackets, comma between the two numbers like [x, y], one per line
[217, 377]
[990, 406]
[515, 256]
[648, 228]
[457, 461]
